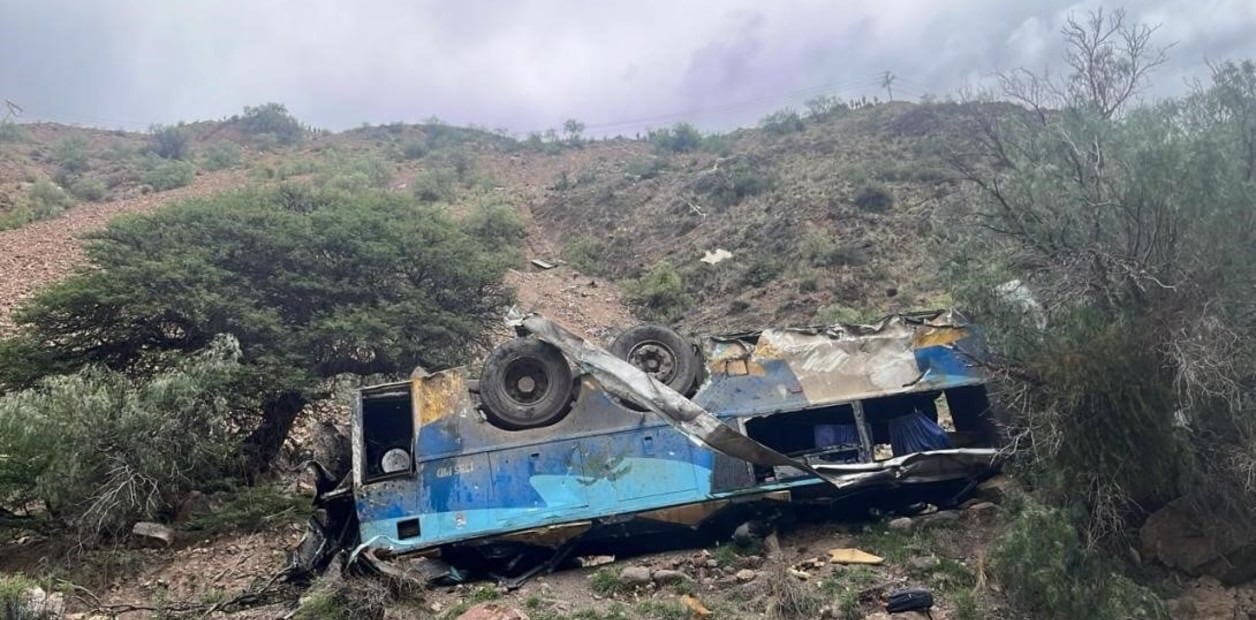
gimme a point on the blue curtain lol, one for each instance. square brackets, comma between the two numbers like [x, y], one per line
[915, 432]
[830, 435]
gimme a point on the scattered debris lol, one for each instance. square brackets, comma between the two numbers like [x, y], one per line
[847, 555]
[153, 531]
[717, 256]
[493, 611]
[590, 561]
[909, 599]
[543, 264]
[699, 610]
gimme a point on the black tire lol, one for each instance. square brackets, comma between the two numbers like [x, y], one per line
[662, 353]
[526, 384]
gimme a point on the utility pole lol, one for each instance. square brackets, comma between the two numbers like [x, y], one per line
[887, 82]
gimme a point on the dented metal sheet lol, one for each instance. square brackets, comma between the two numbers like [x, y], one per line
[885, 357]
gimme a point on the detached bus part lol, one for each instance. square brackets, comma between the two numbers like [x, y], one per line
[562, 447]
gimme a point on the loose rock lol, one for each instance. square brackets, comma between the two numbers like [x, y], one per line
[634, 576]
[493, 611]
[901, 523]
[744, 575]
[669, 576]
[153, 532]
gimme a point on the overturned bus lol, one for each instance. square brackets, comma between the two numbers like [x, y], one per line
[563, 448]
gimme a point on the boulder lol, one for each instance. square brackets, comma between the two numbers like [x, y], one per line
[634, 576]
[669, 576]
[996, 489]
[744, 575]
[1189, 536]
[493, 611]
[153, 532]
[901, 523]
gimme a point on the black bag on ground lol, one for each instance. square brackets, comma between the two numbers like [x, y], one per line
[909, 599]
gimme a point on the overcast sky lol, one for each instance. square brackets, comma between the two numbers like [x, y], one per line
[617, 65]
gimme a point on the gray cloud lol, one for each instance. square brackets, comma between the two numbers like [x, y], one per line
[617, 65]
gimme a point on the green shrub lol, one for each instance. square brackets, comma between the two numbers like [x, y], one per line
[874, 197]
[251, 509]
[659, 293]
[12, 132]
[413, 149]
[48, 199]
[435, 184]
[89, 189]
[762, 269]
[782, 122]
[586, 253]
[820, 249]
[168, 142]
[498, 227]
[14, 604]
[1045, 570]
[271, 119]
[823, 105]
[314, 284]
[644, 167]
[166, 174]
[137, 446]
[71, 156]
[222, 155]
[733, 183]
[680, 138]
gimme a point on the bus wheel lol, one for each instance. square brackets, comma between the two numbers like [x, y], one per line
[526, 384]
[661, 353]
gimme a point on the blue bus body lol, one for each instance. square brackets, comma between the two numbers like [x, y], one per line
[804, 393]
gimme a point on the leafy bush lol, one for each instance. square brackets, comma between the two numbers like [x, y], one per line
[680, 138]
[14, 599]
[874, 197]
[1044, 569]
[782, 122]
[659, 293]
[222, 155]
[314, 284]
[166, 174]
[168, 142]
[71, 156]
[823, 105]
[821, 249]
[435, 184]
[89, 189]
[1135, 389]
[271, 119]
[733, 183]
[761, 270]
[43, 200]
[413, 149]
[48, 199]
[97, 451]
[11, 132]
[586, 253]
[498, 227]
[644, 167]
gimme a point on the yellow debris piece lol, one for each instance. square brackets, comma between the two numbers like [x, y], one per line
[699, 610]
[846, 555]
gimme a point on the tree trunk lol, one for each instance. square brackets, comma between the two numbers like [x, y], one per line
[263, 444]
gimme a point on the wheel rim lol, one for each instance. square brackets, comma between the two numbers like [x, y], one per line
[526, 382]
[655, 358]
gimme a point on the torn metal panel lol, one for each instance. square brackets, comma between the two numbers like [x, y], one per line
[628, 382]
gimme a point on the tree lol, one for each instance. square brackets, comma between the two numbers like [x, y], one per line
[169, 142]
[1132, 227]
[272, 119]
[573, 128]
[313, 284]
